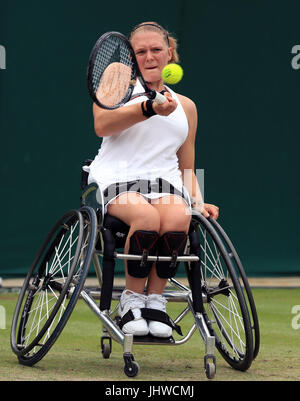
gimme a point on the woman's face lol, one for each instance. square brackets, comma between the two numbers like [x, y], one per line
[152, 54]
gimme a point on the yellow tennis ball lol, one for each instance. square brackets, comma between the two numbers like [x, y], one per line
[172, 73]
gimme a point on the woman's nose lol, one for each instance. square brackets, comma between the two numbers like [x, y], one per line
[149, 56]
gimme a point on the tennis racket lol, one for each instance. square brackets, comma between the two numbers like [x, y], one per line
[113, 73]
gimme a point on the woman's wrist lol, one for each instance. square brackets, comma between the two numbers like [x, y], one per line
[199, 204]
[147, 108]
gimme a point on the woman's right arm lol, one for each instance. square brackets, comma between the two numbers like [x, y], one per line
[112, 122]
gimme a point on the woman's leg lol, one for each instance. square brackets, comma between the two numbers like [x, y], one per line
[138, 214]
[174, 215]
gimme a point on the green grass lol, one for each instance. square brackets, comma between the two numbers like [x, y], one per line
[76, 354]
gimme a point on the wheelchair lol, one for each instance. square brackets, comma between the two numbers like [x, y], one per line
[215, 290]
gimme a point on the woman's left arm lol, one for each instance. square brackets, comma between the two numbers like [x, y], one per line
[186, 159]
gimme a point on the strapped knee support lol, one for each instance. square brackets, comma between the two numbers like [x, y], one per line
[171, 244]
[142, 243]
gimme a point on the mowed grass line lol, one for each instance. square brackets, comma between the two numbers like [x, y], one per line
[76, 354]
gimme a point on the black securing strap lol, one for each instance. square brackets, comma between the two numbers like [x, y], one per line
[128, 317]
[151, 314]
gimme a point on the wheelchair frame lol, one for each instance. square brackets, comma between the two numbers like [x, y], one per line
[32, 338]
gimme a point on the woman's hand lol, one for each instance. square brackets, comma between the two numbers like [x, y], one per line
[167, 107]
[208, 210]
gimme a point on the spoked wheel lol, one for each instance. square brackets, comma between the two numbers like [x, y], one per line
[226, 310]
[239, 269]
[53, 285]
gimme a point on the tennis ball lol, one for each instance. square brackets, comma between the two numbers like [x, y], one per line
[172, 74]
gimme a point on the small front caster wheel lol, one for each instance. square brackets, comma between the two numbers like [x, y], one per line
[210, 370]
[210, 366]
[106, 347]
[132, 370]
[106, 351]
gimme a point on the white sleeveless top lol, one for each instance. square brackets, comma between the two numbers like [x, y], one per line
[147, 150]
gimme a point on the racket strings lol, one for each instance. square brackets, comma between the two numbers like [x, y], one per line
[113, 72]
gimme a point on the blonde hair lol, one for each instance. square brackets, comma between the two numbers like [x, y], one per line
[155, 27]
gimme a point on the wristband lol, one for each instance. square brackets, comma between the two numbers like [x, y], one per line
[148, 111]
[198, 203]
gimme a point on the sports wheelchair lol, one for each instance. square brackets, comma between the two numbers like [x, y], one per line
[215, 290]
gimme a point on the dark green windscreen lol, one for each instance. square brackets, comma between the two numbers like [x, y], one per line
[237, 61]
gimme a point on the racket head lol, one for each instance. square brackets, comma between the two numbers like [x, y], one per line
[112, 71]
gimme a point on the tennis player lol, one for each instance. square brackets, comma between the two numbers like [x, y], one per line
[146, 142]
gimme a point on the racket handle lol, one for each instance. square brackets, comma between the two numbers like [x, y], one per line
[159, 98]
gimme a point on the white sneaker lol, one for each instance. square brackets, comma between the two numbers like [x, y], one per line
[158, 329]
[134, 301]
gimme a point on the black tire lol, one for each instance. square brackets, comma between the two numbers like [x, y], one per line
[53, 285]
[132, 370]
[226, 311]
[210, 370]
[236, 261]
[106, 346]
[106, 351]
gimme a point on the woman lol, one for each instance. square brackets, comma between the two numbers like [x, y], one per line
[150, 141]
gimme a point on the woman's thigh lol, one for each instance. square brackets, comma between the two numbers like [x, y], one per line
[133, 208]
[173, 212]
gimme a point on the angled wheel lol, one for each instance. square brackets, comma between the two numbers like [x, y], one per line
[53, 285]
[226, 310]
[237, 264]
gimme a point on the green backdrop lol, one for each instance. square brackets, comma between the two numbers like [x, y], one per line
[238, 69]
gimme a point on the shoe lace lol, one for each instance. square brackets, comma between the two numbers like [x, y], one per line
[157, 301]
[133, 300]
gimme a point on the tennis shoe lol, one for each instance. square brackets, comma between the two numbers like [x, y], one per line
[133, 301]
[158, 329]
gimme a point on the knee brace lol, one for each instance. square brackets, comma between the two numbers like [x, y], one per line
[142, 243]
[171, 244]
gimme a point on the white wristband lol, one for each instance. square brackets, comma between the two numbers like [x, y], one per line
[198, 204]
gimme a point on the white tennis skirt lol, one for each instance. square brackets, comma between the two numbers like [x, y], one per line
[149, 189]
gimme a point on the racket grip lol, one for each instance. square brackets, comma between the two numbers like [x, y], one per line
[159, 98]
